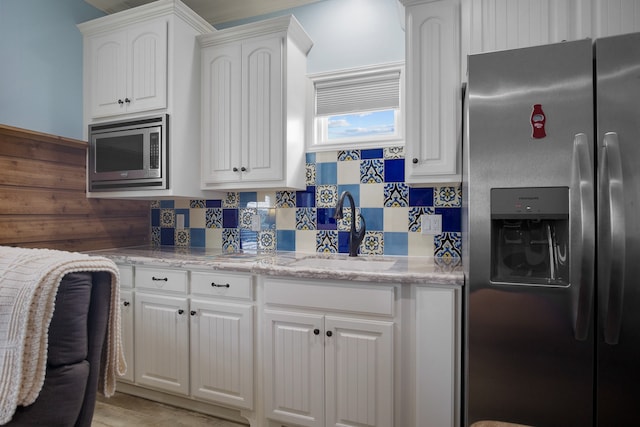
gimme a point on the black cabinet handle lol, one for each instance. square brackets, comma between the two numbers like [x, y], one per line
[127, 100]
[215, 285]
[329, 333]
[159, 279]
[126, 303]
[316, 331]
[120, 101]
[415, 161]
[243, 169]
[193, 312]
[181, 311]
[235, 169]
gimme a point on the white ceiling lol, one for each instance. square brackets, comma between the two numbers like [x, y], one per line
[213, 11]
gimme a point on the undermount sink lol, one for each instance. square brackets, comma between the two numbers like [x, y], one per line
[352, 264]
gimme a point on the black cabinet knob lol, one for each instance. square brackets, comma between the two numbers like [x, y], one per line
[120, 101]
[329, 333]
[126, 303]
[127, 100]
[235, 169]
[316, 332]
[193, 312]
[243, 169]
[414, 161]
[181, 311]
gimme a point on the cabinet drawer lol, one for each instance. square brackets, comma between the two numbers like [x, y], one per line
[126, 276]
[161, 279]
[221, 284]
[375, 299]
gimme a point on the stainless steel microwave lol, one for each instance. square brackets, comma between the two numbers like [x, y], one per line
[129, 154]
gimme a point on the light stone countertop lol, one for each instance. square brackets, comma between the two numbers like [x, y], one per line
[366, 268]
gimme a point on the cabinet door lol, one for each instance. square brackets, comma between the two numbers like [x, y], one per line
[126, 312]
[162, 342]
[437, 338]
[262, 110]
[359, 372]
[615, 17]
[107, 76]
[221, 113]
[147, 66]
[222, 352]
[294, 368]
[434, 96]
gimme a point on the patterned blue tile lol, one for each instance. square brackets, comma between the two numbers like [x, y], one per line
[448, 197]
[305, 218]
[375, 153]
[232, 200]
[198, 237]
[325, 219]
[154, 204]
[327, 173]
[230, 240]
[285, 199]
[420, 196]
[213, 218]
[374, 218]
[347, 155]
[214, 203]
[327, 241]
[394, 153]
[326, 196]
[167, 218]
[373, 243]
[310, 174]
[229, 218]
[267, 240]
[286, 240]
[196, 204]
[396, 194]
[371, 171]
[245, 217]
[344, 224]
[396, 243]
[306, 199]
[394, 170]
[183, 238]
[155, 236]
[448, 245]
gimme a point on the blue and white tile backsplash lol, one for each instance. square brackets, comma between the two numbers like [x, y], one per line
[303, 220]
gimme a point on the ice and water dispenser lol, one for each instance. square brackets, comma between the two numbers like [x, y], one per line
[530, 236]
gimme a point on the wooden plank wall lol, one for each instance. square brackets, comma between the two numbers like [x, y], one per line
[43, 201]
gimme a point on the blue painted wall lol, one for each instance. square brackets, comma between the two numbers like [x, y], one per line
[41, 65]
[348, 33]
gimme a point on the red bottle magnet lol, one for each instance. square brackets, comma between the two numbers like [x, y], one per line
[538, 120]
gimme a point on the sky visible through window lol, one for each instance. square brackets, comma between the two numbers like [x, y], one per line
[361, 125]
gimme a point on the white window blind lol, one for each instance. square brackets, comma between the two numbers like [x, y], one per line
[373, 91]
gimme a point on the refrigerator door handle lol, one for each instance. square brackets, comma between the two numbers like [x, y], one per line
[611, 232]
[582, 226]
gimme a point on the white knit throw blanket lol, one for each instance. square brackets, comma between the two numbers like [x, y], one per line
[29, 280]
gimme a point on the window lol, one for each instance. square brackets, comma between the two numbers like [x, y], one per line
[357, 108]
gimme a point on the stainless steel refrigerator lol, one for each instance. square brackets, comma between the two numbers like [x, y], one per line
[551, 234]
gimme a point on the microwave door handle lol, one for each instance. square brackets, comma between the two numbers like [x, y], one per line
[611, 231]
[582, 226]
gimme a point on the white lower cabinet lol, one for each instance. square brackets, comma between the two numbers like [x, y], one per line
[324, 364]
[126, 319]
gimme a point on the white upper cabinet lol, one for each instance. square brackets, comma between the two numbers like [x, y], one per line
[433, 101]
[128, 69]
[253, 105]
[614, 17]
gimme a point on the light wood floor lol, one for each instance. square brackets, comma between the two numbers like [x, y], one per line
[123, 410]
